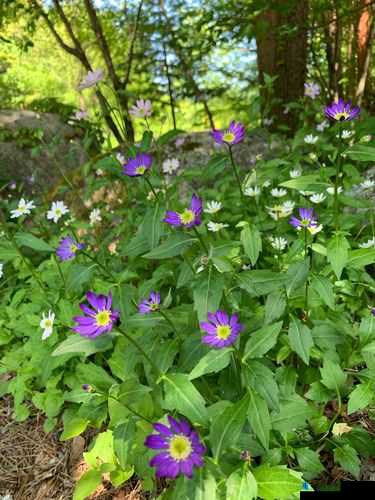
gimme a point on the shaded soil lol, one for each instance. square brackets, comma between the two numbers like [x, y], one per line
[37, 466]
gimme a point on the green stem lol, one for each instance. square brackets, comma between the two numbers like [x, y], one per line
[170, 322]
[337, 180]
[147, 180]
[141, 350]
[201, 240]
[306, 307]
[236, 173]
[60, 271]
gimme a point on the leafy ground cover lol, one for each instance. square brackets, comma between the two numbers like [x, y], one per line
[215, 325]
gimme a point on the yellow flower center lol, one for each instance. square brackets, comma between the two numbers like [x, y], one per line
[103, 318]
[58, 211]
[154, 306]
[228, 137]
[223, 331]
[47, 323]
[187, 216]
[73, 248]
[342, 116]
[21, 209]
[140, 170]
[180, 447]
[305, 222]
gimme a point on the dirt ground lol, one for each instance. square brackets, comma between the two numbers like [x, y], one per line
[37, 466]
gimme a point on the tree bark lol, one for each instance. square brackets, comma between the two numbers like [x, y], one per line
[365, 37]
[282, 55]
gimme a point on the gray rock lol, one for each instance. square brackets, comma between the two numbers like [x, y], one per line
[34, 146]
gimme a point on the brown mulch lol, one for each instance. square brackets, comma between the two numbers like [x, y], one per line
[37, 466]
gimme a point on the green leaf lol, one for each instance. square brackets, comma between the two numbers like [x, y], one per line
[309, 461]
[262, 341]
[296, 276]
[276, 482]
[361, 397]
[323, 288]
[262, 379]
[226, 427]
[7, 251]
[259, 282]
[201, 487]
[347, 458]
[77, 276]
[212, 362]
[123, 437]
[152, 226]
[174, 245]
[251, 241]
[83, 345]
[101, 452]
[207, 293]
[332, 375]
[294, 411]
[306, 183]
[169, 136]
[275, 306]
[259, 418]
[181, 395]
[300, 339]
[95, 375]
[361, 257]
[241, 485]
[360, 152]
[31, 241]
[87, 484]
[337, 253]
[73, 425]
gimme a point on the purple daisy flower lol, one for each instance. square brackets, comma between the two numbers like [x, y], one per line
[308, 219]
[189, 217]
[373, 311]
[137, 166]
[68, 248]
[342, 111]
[100, 317]
[149, 305]
[221, 329]
[234, 134]
[181, 448]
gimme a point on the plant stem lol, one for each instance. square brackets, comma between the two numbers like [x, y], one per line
[201, 240]
[141, 350]
[236, 173]
[306, 307]
[152, 188]
[170, 322]
[337, 179]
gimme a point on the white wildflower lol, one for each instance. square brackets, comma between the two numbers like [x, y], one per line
[252, 191]
[281, 211]
[266, 183]
[120, 158]
[295, 173]
[314, 229]
[321, 126]
[91, 79]
[331, 190]
[317, 197]
[170, 166]
[340, 428]
[80, 115]
[278, 243]
[311, 139]
[212, 207]
[57, 210]
[278, 193]
[367, 184]
[267, 121]
[141, 109]
[46, 323]
[365, 138]
[312, 90]
[368, 244]
[24, 208]
[214, 227]
[345, 134]
[95, 216]
[313, 156]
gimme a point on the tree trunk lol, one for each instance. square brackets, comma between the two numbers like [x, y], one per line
[365, 36]
[283, 56]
